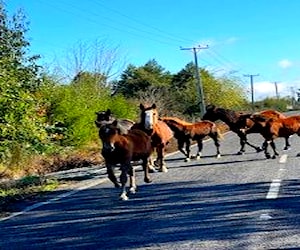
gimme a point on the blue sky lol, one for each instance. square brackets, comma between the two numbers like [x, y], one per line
[243, 36]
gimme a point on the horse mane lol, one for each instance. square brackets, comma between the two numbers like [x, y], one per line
[176, 119]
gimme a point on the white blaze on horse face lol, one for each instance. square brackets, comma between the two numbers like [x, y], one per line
[149, 119]
[108, 144]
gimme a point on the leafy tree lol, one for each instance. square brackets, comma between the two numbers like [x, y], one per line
[74, 105]
[21, 126]
[135, 80]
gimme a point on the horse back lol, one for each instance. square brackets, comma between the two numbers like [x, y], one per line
[135, 145]
[201, 128]
[270, 113]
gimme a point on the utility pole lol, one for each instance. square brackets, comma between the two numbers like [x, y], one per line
[276, 90]
[252, 89]
[198, 78]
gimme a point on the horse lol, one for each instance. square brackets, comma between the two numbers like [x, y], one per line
[239, 123]
[105, 116]
[122, 149]
[159, 131]
[184, 132]
[273, 128]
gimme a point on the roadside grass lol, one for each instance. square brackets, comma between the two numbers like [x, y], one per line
[24, 188]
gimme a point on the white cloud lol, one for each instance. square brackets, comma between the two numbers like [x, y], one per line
[267, 89]
[285, 63]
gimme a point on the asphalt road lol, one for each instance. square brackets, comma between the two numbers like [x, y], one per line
[234, 202]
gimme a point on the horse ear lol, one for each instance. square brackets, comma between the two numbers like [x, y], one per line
[210, 107]
[142, 107]
[115, 123]
[108, 112]
[153, 106]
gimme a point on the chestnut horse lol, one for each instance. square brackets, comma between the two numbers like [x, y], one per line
[122, 149]
[240, 123]
[184, 132]
[104, 117]
[274, 128]
[159, 131]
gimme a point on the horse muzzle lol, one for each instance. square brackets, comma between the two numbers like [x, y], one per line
[108, 147]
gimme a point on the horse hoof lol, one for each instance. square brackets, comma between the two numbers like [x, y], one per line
[298, 155]
[117, 185]
[268, 156]
[187, 160]
[240, 153]
[147, 180]
[152, 169]
[259, 150]
[218, 156]
[287, 148]
[132, 190]
[163, 170]
[274, 157]
[123, 197]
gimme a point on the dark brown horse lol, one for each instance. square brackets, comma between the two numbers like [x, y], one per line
[159, 131]
[239, 123]
[271, 129]
[122, 149]
[105, 117]
[184, 132]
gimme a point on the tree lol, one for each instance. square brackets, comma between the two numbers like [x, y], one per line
[135, 80]
[21, 127]
[98, 57]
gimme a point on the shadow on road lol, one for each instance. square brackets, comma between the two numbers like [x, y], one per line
[158, 214]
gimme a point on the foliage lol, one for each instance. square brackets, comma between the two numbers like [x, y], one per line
[135, 80]
[74, 107]
[279, 104]
[21, 127]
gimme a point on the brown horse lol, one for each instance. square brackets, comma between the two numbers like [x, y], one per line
[239, 123]
[122, 149]
[105, 117]
[159, 131]
[184, 132]
[271, 129]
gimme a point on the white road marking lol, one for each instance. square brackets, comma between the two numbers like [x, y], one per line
[274, 189]
[86, 185]
[283, 158]
[276, 183]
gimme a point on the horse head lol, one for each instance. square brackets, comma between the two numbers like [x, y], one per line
[210, 113]
[108, 134]
[149, 116]
[103, 117]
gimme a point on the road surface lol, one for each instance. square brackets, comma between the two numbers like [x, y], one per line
[234, 202]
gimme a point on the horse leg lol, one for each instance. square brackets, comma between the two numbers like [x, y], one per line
[111, 175]
[151, 164]
[200, 147]
[132, 185]
[123, 180]
[188, 151]
[217, 144]
[265, 147]
[160, 159]
[274, 149]
[146, 170]
[287, 143]
[243, 142]
[180, 144]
